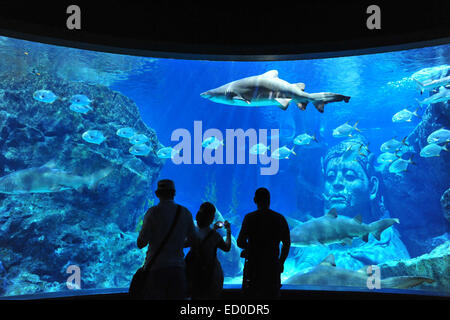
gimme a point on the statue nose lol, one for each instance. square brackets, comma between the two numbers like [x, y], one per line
[338, 183]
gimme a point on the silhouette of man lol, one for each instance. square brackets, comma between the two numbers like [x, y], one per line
[166, 277]
[260, 237]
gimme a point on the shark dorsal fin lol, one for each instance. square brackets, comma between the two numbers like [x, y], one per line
[328, 261]
[50, 164]
[300, 85]
[358, 218]
[332, 213]
[271, 74]
[363, 270]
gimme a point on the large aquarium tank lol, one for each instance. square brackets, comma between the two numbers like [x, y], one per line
[353, 149]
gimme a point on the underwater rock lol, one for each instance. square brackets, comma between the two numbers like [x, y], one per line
[416, 195]
[445, 203]
[41, 233]
[434, 265]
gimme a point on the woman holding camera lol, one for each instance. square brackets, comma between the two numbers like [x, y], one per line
[204, 272]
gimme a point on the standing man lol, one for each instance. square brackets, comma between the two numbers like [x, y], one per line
[166, 278]
[260, 237]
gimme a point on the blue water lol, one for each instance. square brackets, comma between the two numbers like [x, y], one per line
[379, 86]
[167, 93]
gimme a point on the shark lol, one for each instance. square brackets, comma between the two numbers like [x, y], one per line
[442, 96]
[330, 229]
[48, 178]
[268, 89]
[433, 84]
[327, 274]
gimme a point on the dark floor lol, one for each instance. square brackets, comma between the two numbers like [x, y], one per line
[233, 292]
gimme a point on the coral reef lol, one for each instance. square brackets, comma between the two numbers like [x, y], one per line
[43, 233]
[415, 196]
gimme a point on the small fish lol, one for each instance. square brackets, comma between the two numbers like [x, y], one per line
[140, 149]
[259, 148]
[387, 157]
[80, 99]
[439, 136]
[44, 96]
[400, 165]
[93, 136]
[167, 153]
[304, 139]
[212, 143]
[393, 145]
[80, 109]
[282, 153]
[404, 116]
[345, 130]
[441, 96]
[433, 150]
[139, 138]
[430, 85]
[126, 132]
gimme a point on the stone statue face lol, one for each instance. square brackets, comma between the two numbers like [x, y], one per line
[348, 188]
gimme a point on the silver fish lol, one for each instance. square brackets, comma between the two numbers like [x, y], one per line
[432, 150]
[46, 96]
[439, 136]
[93, 136]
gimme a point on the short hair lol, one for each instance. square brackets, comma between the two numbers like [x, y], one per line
[262, 196]
[205, 215]
[167, 194]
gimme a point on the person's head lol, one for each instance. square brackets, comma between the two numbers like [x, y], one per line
[262, 198]
[350, 182]
[205, 215]
[165, 190]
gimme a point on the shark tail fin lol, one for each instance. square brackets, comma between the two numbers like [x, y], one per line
[93, 179]
[415, 112]
[355, 126]
[404, 282]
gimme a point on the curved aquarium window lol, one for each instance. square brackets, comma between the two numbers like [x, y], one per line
[353, 149]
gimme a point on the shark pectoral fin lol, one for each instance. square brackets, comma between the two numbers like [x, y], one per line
[365, 238]
[319, 106]
[302, 105]
[377, 234]
[284, 103]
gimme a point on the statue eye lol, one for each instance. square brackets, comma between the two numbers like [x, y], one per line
[331, 175]
[350, 175]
